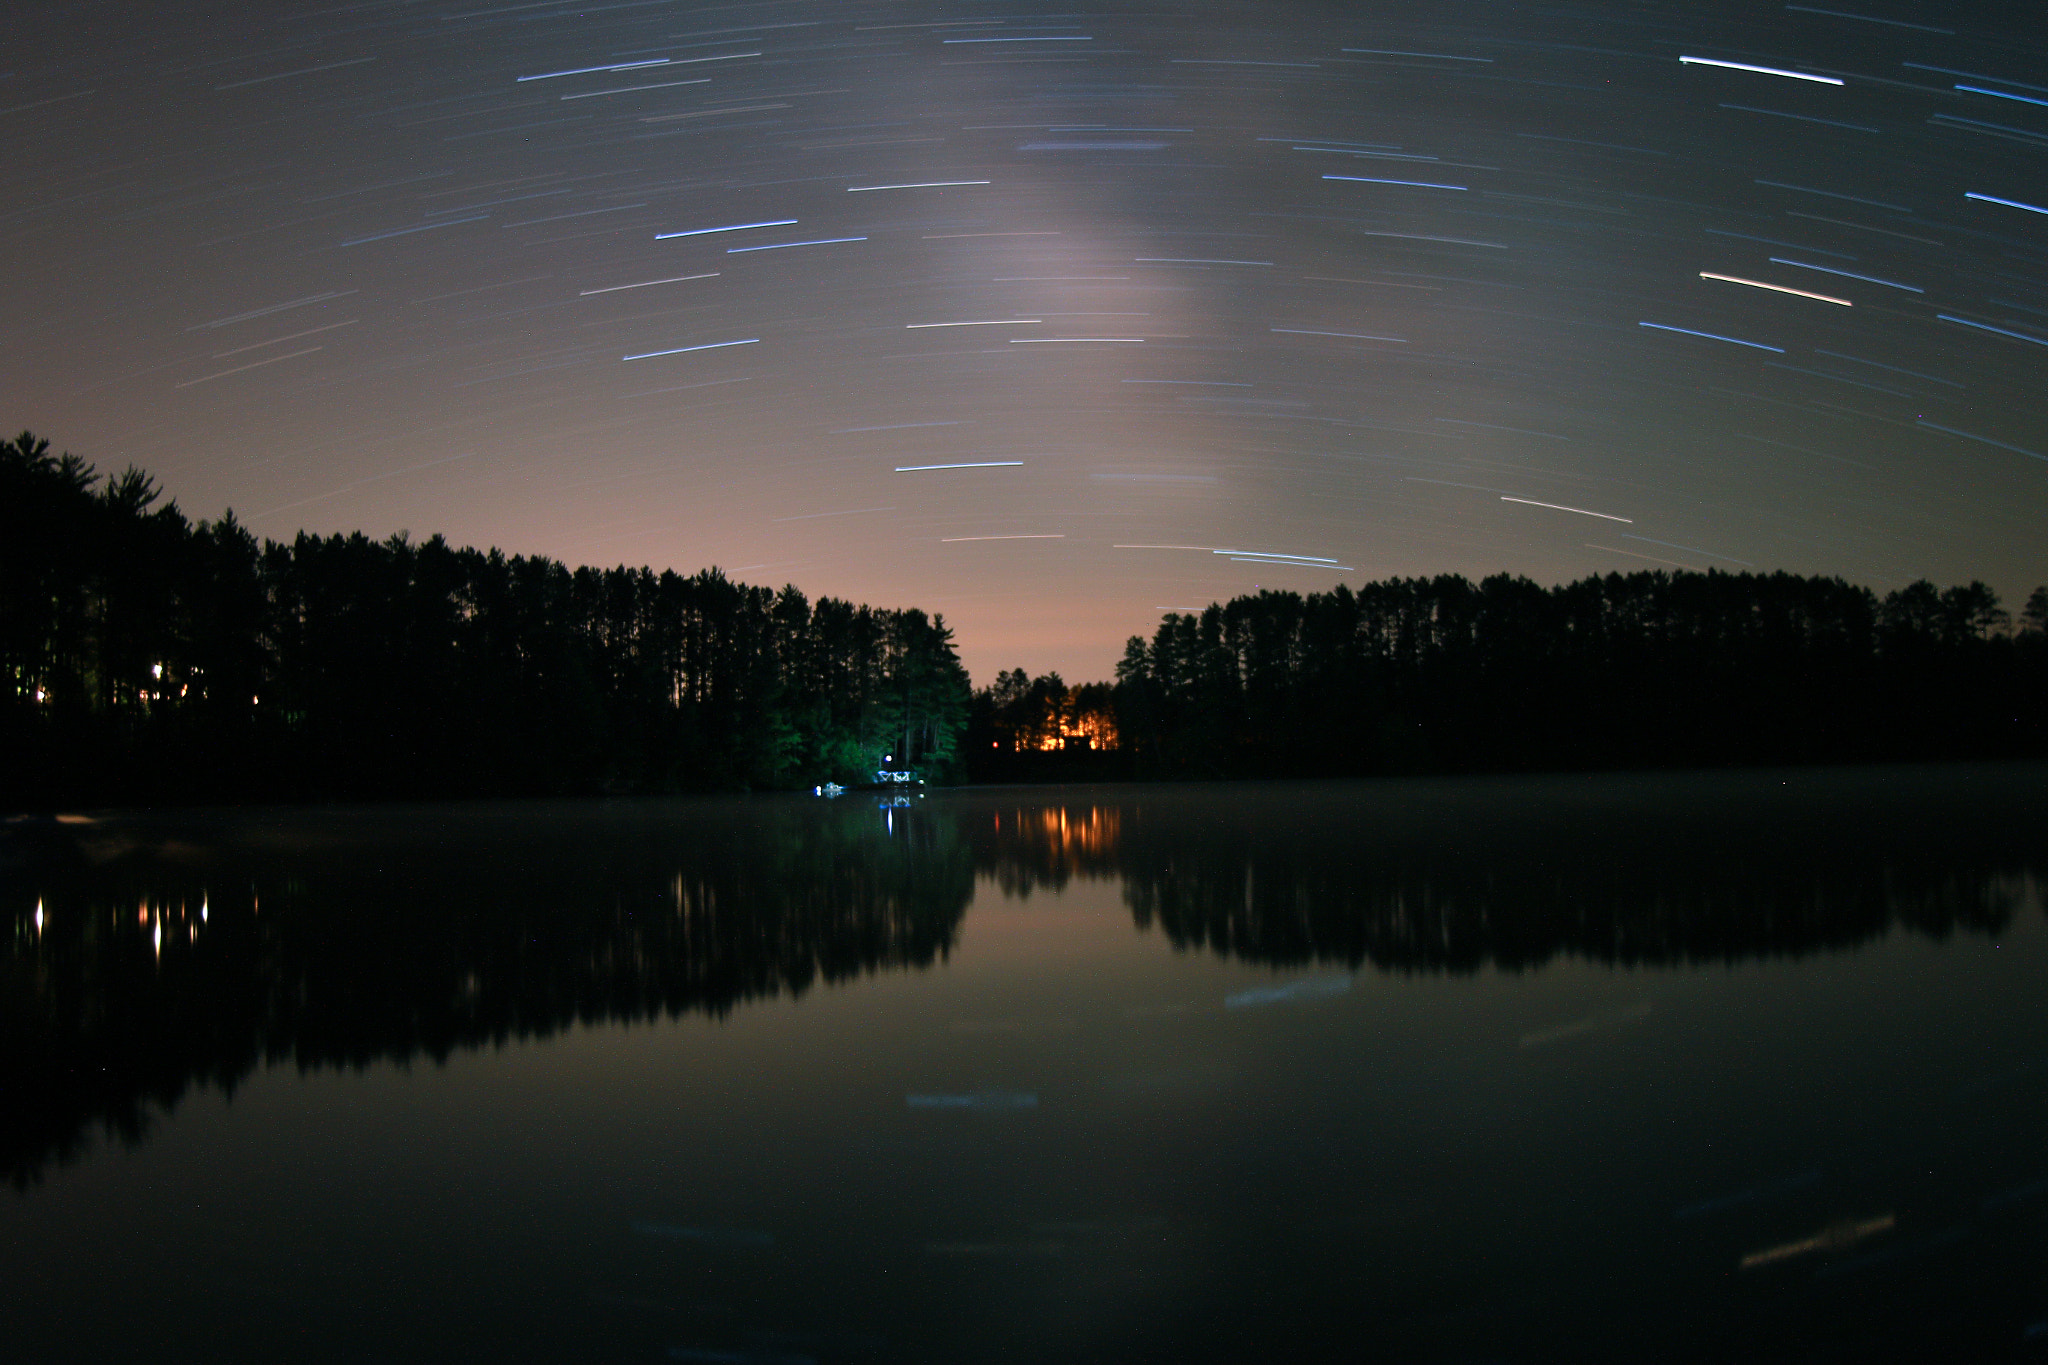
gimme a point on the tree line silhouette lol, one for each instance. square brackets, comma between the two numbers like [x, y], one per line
[144, 956]
[143, 656]
[1621, 670]
[147, 657]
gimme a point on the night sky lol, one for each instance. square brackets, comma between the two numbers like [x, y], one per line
[1032, 318]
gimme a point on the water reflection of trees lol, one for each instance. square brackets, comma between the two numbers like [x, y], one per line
[1455, 876]
[159, 960]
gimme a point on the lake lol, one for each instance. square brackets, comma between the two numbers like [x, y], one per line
[1693, 1066]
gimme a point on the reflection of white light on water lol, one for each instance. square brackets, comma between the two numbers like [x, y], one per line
[1308, 989]
[39, 916]
[157, 938]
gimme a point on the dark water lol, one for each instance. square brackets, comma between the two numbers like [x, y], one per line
[1696, 1067]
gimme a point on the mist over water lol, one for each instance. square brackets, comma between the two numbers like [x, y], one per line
[1517, 1068]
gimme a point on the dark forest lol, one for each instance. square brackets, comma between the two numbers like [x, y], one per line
[149, 658]
[1647, 669]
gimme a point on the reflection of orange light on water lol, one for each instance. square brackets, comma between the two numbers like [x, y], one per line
[1831, 1238]
[1093, 832]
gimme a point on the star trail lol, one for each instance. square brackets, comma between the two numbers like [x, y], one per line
[952, 306]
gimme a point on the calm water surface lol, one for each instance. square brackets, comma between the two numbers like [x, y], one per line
[1694, 1067]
